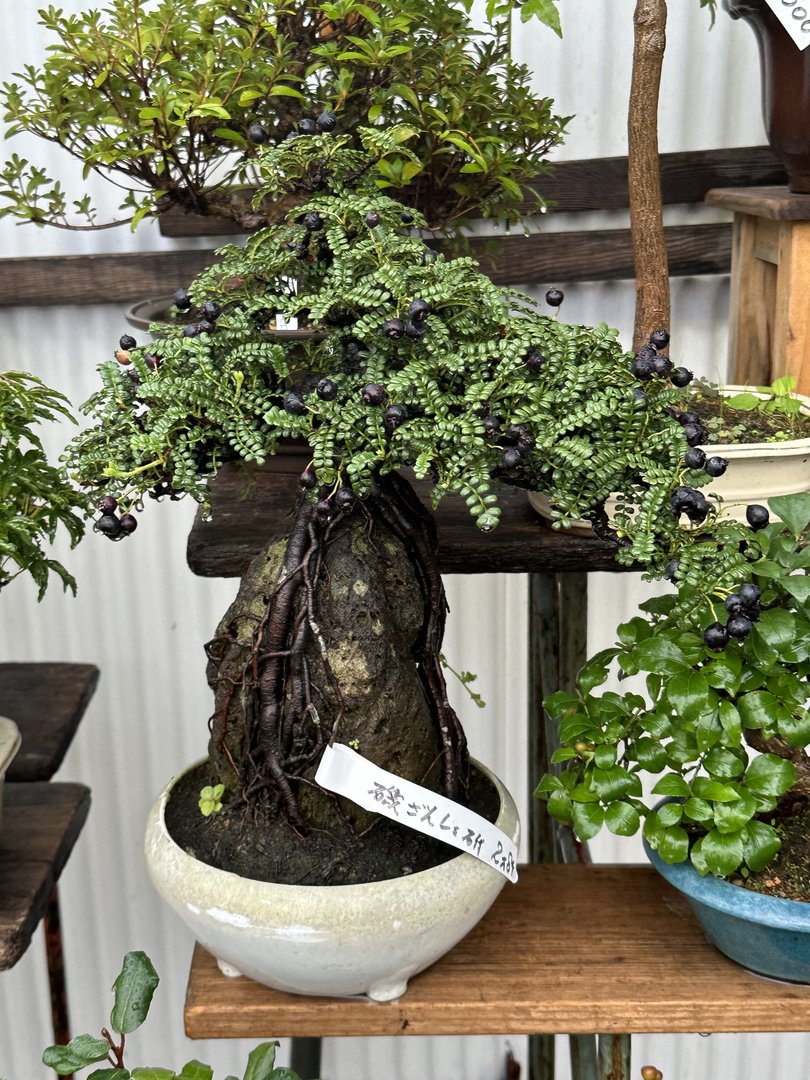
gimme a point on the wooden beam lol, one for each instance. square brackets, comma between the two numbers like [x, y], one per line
[593, 184]
[599, 255]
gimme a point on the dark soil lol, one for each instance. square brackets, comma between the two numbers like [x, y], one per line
[727, 425]
[265, 849]
[788, 874]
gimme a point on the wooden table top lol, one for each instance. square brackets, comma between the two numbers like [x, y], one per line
[569, 949]
[41, 823]
[250, 506]
[46, 701]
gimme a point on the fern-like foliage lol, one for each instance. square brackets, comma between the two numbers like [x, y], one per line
[474, 383]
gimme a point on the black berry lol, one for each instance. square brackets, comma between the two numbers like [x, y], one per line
[659, 339]
[418, 310]
[372, 219]
[327, 121]
[128, 523]
[680, 377]
[511, 457]
[127, 341]
[662, 366]
[294, 403]
[109, 525]
[326, 390]
[308, 479]
[211, 310]
[492, 425]
[182, 301]
[107, 504]
[394, 415]
[534, 359]
[373, 394]
[695, 434]
[694, 458]
[307, 126]
[734, 603]
[405, 217]
[257, 133]
[715, 466]
[192, 330]
[640, 400]
[416, 331]
[345, 498]
[757, 516]
[671, 570]
[642, 368]
[749, 594]
[393, 328]
[739, 626]
[313, 221]
[554, 297]
[716, 637]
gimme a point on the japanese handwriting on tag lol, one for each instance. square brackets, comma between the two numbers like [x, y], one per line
[347, 773]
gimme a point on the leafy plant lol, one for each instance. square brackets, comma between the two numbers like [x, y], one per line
[171, 100]
[725, 719]
[36, 497]
[133, 989]
[777, 405]
[402, 358]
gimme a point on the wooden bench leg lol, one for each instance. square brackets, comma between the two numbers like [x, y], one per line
[52, 924]
[305, 1057]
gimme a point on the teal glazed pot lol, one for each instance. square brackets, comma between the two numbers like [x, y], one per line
[765, 934]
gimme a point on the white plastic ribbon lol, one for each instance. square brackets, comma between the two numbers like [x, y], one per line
[345, 772]
[794, 15]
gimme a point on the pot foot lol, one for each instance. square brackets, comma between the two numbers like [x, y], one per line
[391, 988]
[228, 969]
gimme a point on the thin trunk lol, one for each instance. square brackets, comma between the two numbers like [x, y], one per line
[643, 174]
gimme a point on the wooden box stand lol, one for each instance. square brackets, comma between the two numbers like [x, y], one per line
[769, 332]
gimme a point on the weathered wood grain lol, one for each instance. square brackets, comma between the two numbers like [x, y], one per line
[46, 701]
[569, 949]
[250, 505]
[41, 823]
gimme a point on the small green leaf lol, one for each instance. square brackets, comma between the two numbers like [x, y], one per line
[793, 510]
[133, 989]
[587, 819]
[261, 1061]
[673, 844]
[672, 785]
[81, 1051]
[723, 852]
[770, 775]
[760, 843]
[622, 819]
[689, 695]
[730, 817]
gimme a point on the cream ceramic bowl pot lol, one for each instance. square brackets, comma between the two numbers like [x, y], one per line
[333, 940]
[9, 745]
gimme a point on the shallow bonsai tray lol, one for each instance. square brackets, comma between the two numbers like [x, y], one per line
[569, 949]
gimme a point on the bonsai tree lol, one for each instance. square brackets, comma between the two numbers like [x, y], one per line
[402, 358]
[725, 722]
[36, 498]
[171, 102]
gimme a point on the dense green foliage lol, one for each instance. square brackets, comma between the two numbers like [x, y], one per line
[134, 989]
[35, 496]
[474, 382]
[161, 96]
[704, 709]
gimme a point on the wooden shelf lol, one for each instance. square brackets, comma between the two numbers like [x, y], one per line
[46, 701]
[41, 823]
[569, 949]
[248, 508]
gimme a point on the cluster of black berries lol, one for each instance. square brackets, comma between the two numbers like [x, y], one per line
[110, 524]
[321, 125]
[342, 501]
[413, 326]
[743, 611]
[206, 316]
[515, 440]
[126, 343]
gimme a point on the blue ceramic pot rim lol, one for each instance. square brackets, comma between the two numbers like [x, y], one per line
[735, 900]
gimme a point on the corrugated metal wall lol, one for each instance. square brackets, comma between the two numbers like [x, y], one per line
[142, 617]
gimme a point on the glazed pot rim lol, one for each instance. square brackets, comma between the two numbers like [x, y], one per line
[761, 449]
[507, 811]
[723, 896]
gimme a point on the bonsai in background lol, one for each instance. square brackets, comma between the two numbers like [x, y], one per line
[726, 663]
[402, 358]
[172, 100]
[36, 497]
[134, 989]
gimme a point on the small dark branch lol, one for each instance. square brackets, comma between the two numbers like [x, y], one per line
[779, 746]
[643, 174]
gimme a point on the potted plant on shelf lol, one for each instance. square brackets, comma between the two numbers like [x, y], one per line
[724, 725]
[36, 502]
[406, 359]
[172, 101]
[134, 989]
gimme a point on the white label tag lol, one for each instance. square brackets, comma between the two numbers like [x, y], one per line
[347, 773]
[794, 15]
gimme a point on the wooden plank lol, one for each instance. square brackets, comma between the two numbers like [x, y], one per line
[41, 823]
[569, 949]
[599, 255]
[250, 506]
[776, 203]
[46, 701]
[593, 184]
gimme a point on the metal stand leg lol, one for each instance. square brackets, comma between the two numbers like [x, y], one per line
[52, 924]
[614, 1057]
[305, 1057]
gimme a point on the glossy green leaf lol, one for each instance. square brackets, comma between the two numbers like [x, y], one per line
[134, 988]
[261, 1061]
[587, 819]
[760, 843]
[770, 775]
[622, 819]
[723, 852]
[730, 817]
[794, 510]
[673, 844]
[688, 692]
[672, 785]
[81, 1051]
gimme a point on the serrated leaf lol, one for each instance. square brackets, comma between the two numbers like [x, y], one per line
[134, 988]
